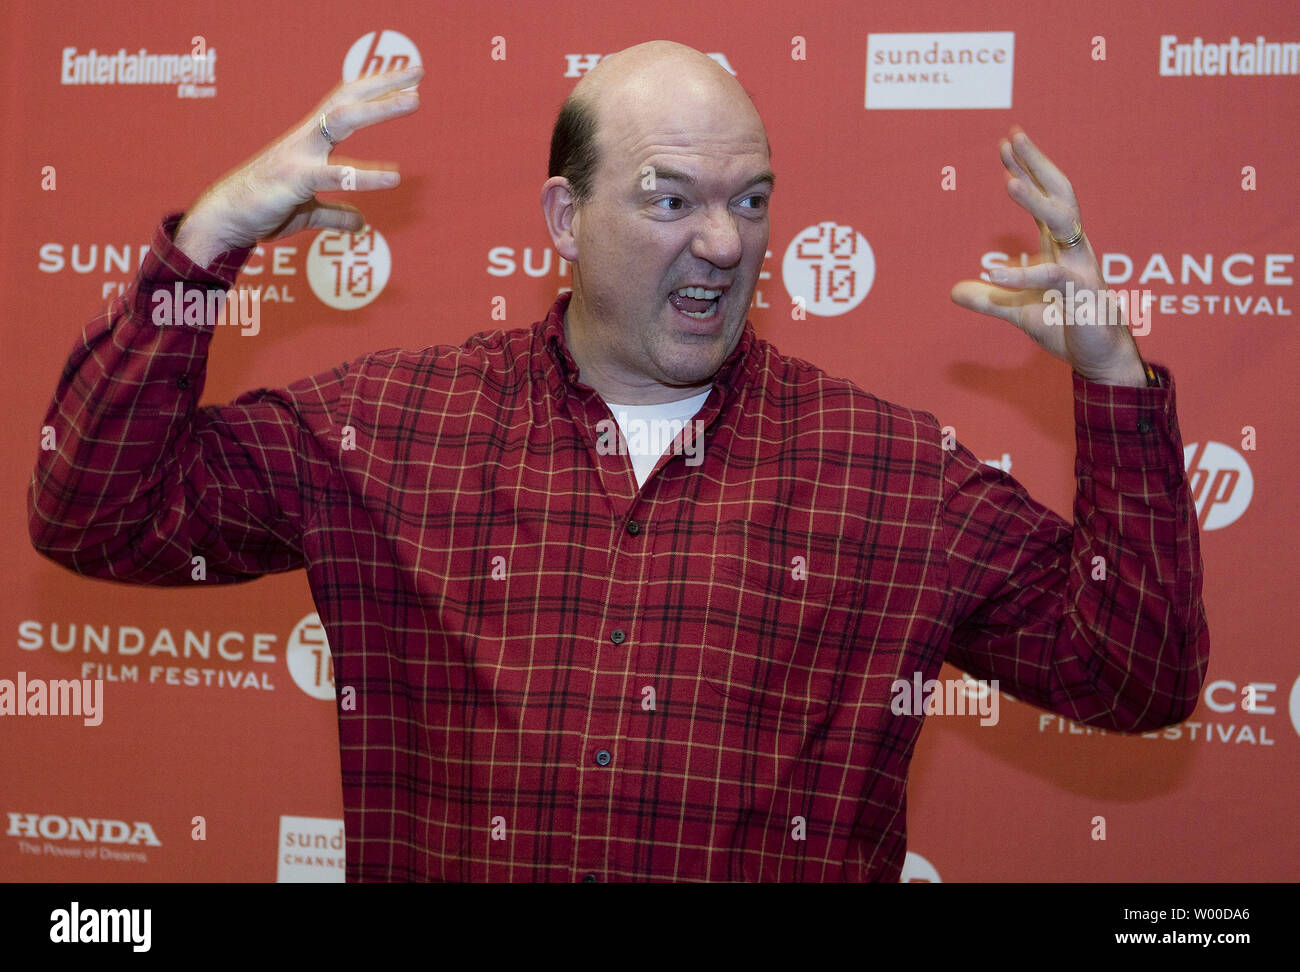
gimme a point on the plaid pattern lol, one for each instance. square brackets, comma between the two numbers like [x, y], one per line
[623, 684]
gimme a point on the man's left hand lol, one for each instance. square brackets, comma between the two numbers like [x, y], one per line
[1037, 298]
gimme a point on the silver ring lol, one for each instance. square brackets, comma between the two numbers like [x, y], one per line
[326, 132]
[1063, 244]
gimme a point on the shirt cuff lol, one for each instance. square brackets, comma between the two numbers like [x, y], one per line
[166, 265]
[1127, 427]
[171, 264]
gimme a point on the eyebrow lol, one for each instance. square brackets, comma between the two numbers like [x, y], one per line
[672, 175]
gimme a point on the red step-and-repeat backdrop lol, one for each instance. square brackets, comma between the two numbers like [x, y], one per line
[215, 757]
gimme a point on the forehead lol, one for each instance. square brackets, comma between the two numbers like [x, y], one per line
[698, 127]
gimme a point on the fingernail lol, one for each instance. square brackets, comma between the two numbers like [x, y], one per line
[999, 275]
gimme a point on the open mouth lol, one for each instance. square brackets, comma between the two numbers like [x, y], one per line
[699, 303]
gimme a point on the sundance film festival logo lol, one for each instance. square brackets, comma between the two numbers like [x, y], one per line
[1220, 481]
[1237, 713]
[348, 270]
[307, 654]
[828, 269]
[918, 870]
[1294, 706]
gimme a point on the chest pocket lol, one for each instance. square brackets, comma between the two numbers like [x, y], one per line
[782, 616]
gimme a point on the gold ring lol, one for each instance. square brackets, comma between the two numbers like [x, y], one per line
[1072, 241]
[325, 131]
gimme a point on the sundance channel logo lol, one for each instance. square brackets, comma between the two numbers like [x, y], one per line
[951, 70]
[311, 851]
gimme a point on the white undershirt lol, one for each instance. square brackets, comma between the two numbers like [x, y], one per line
[649, 430]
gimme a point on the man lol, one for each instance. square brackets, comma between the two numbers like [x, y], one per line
[574, 665]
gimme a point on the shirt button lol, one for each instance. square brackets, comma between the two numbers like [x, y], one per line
[182, 382]
[603, 757]
[633, 527]
[589, 879]
[618, 636]
[1143, 426]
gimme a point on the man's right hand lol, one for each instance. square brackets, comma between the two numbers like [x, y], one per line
[274, 195]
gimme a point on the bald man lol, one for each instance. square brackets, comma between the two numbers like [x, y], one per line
[585, 650]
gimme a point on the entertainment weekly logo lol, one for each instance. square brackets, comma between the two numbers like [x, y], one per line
[945, 70]
[194, 73]
[1200, 58]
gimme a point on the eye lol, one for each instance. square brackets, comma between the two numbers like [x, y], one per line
[676, 203]
[758, 201]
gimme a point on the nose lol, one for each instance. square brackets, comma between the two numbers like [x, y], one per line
[717, 239]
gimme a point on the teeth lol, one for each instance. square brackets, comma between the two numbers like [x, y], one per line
[699, 293]
[700, 315]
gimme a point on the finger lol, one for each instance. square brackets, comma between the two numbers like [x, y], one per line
[1010, 305]
[1039, 276]
[1055, 214]
[376, 85]
[1016, 172]
[344, 120]
[1012, 163]
[340, 177]
[335, 216]
[1046, 248]
[1044, 172]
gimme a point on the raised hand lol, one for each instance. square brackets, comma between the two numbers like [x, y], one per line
[1036, 298]
[274, 194]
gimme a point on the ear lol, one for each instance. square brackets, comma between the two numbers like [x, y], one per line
[561, 215]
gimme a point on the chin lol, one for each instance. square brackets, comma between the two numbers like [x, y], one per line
[694, 366]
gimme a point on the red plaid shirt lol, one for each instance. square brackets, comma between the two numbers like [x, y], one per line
[563, 677]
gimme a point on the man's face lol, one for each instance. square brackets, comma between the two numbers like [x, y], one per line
[680, 200]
